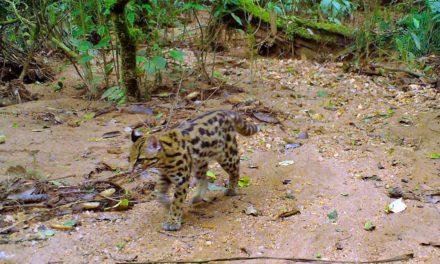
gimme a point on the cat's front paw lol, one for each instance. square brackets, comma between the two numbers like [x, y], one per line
[171, 226]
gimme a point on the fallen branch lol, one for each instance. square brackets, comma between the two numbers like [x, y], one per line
[391, 69]
[404, 257]
[15, 224]
[7, 241]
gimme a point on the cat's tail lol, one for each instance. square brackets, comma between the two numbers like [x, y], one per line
[242, 127]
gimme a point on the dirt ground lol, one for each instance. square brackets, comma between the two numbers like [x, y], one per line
[365, 135]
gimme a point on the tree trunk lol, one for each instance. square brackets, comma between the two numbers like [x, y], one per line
[128, 49]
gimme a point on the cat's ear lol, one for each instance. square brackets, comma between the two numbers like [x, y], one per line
[153, 145]
[135, 135]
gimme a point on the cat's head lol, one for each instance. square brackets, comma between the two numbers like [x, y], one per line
[144, 151]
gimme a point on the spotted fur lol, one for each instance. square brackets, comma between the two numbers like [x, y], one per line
[188, 149]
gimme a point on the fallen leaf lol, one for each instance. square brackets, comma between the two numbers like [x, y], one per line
[397, 206]
[333, 216]
[371, 178]
[120, 245]
[74, 123]
[244, 182]
[395, 192]
[321, 93]
[288, 213]
[61, 227]
[302, 135]
[121, 205]
[266, 117]
[111, 134]
[192, 95]
[250, 210]
[369, 226]
[90, 205]
[244, 157]
[114, 150]
[286, 162]
[285, 182]
[106, 193]
[44, 234]
[17, 170]
[89, 115]
[71, 223]
[211, 174]
[435, 155]
[431, 243]
[164, 94]
[208, 225]
[292, 146]
[317, 116]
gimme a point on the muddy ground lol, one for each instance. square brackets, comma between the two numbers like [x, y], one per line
[365, 135]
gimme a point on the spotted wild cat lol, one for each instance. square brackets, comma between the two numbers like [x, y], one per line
[187, 149]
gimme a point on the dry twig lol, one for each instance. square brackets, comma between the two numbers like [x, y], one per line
[404, 257]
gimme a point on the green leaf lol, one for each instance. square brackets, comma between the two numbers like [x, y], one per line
[244, 182]
[104, 42]
[159, 62]
[159, 115]
[70, 223]
[15, 125]
[2, 138]
[244, 157]
[120, 245]
[318, 255]
[416, 40]
[237, 19]
[85, 45]
[149, 67]
[131, 17]
[435, 155]
[110, 92]
[416, 22]
[140, 59]
[211, 174]
[102, 30]
[123, 203]
[177, 55]
[89, 115]
[333, 216]
[369, 226]
[44, 234]
[85, 58]
[322, 93]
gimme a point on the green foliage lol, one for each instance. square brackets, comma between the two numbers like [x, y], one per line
[413, 34]
[115, 94]
[418, 33]
[335, 9]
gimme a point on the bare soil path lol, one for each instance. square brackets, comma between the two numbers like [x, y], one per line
[365, 136]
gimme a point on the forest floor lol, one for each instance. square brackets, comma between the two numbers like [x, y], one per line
[354, 140]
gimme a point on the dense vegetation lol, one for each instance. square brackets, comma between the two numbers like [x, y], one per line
[121, 48]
